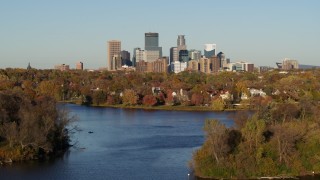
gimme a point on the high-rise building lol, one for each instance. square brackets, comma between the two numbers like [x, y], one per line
[222, 58]
[193, 65]
[141, 55]
[151, 41]
[134, 57]
[183, 55]
[125, 57]
[178, 66]
[152, 46]
[181, 43]
[174, 55]
[79, 66]
[205, 65]
[142, 66]
[116, 62]
[194, 54]
[160, 65]
[114, 48]
[153, 55]
[216, 64]
[210, 50]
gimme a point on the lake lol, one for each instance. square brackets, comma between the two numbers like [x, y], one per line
[124, 144]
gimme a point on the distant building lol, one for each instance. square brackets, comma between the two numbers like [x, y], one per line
[181, 43]
[29, 66]
[205, 65]
[178, 67]
[194, 54]
[62, 67]
[249, 67]
[79, 66]
[288, 64]
[142, 66]
[152, 55]
[265, 68]
[174, 55]
[223, 60]
[151, 41]
[141, 55]
[125, 57]
[116, 63]
[216, 64]
[152, 46]
[160, 65]
[240, 66]
[114, 48]
[193, 65]
[210, 50]
[134, 57]
[183, 55]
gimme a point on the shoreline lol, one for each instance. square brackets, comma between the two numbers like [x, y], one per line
[160, 107]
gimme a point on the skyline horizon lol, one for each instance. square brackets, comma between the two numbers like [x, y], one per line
[263, 33]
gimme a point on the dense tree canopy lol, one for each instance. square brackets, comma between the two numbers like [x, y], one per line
[31, 128]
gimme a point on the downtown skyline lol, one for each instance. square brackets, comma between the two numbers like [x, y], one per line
[49, 33]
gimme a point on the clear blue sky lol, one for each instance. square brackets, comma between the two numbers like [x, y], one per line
[49, 32]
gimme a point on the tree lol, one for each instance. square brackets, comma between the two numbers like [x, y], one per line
[34, 128]
[217, 138]
[286, 136]
[149, 100]
[130, 97]
[99, 97]
[197, 99]
[218, 104]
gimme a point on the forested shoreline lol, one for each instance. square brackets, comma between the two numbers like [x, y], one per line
[31, 129]
[281, 138]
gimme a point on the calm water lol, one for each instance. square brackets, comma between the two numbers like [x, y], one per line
[125, 144]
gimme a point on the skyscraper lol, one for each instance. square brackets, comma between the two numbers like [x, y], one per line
[140, 55]
[210, 50]
[152, 48]
[183, 55]
[134, 57]
[181, 42]
[151, 41]
[125, 58]
[114, 48]
[223, 61]
[174, 55]
[194, 54]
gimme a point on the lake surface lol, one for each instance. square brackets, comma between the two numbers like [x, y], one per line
[124, 144]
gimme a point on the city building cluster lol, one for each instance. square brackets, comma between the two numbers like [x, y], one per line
[65, 67]
[150, 58]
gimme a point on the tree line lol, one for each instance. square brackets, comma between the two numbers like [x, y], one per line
[159, 89]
